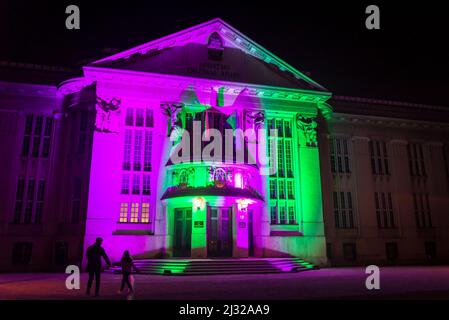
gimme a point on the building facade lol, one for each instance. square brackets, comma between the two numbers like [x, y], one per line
[203, 144]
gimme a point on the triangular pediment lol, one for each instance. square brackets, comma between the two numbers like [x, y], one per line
[193, 53]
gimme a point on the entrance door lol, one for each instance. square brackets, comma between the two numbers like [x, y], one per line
[250, 234]
[182, 232]
[219, 232]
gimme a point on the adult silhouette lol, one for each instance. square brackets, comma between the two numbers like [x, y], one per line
[94, 254]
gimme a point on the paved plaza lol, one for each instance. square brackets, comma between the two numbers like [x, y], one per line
[335, 283]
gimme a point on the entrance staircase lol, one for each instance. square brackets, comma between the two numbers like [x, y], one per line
[220, 266]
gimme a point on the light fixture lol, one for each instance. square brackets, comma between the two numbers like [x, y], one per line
[242, 204]
[198, 203]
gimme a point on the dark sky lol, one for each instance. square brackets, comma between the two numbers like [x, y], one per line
[406, 60]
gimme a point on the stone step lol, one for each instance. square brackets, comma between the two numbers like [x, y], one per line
[219, 266]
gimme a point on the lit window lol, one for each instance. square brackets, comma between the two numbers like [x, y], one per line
[134, 213]
[123, 212]
[145, 217]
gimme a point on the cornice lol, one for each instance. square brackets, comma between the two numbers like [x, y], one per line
[386, 122]
[173, 81]
[26, 89]
[72, 86]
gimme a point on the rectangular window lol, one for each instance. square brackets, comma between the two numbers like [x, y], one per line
[134, 213]
[339, 155]
[147, 150]
[146, 184]
[273, 189]
[423, 215]
[274, 214]
[30, 199]
[343, 210]
[290, 193]
[129, 121]
[36, 145]
[281, 158]
[123, 212]
[37, 136]
[282, 216]
[416, 160]
[27, 136]
[136, 184]
[47, 136]
[127, 150]
[384, 210]
[281, 186]
[379, 158]
[39, 202]
[39, 212]
[149, 122]
[288, 129]
[291, 215]
[281, 189]
[137, 150]
[288, 158]
[19, 200]
[139, 117]
[145, 217]
[125, 184]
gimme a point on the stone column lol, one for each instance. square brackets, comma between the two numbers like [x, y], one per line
[310, 191]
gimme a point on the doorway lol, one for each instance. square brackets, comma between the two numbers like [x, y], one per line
[182, 232]
[250, 234]
[219, 232]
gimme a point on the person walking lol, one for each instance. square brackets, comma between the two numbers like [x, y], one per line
[127, 265]
[94, 254]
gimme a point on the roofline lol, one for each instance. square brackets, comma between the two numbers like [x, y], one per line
[388, 102]
[281, 62]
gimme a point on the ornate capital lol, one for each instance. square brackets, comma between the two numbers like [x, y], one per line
[173, 111]
[308, 127]
[108, 115]
[255, 119]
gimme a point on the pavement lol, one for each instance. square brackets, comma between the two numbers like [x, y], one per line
[331, 283]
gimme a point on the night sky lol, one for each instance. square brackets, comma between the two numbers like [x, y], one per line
[406, 60]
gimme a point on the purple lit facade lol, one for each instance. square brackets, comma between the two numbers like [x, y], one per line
[357, 180]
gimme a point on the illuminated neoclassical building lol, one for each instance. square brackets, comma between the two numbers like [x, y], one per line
[214, 77]
[145, 150]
